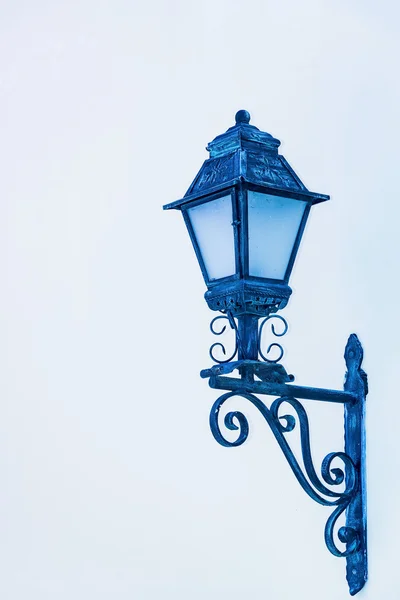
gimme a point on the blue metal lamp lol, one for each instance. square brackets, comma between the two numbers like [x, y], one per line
[246, 211]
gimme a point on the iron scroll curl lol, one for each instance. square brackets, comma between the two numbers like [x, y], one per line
[312, 484]
[276, 334]
[232, 323]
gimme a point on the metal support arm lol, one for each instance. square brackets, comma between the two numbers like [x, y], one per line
[352, 499]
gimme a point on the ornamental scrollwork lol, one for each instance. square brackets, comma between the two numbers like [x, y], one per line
[276, 333]
[214, 171]
[314, 485]
[271, 169]
[228, 317]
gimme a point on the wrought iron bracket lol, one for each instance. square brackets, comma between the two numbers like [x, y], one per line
[351, 500]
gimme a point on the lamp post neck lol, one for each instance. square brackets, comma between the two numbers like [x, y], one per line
[247, 338]
[247, 334]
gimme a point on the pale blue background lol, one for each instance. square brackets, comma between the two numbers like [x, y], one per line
[112, 487]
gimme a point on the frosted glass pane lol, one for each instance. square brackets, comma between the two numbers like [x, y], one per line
[273, 225]
[212, 225]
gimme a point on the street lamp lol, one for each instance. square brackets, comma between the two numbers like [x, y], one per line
[245, 212]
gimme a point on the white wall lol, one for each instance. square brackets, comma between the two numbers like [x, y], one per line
[112, 486]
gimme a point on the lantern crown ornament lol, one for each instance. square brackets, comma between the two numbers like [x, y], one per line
[246, 211]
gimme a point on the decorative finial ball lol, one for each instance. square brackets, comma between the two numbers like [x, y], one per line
[242, 116]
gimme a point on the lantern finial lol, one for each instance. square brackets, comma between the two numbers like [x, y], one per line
[242, 116]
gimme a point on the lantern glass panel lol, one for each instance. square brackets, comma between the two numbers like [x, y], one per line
[213, 230]
[273, 222]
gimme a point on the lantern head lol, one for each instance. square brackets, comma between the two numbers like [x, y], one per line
[246, 211]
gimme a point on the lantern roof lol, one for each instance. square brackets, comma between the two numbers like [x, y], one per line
[245, 154]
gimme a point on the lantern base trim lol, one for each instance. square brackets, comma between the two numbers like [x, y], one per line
[248, 297]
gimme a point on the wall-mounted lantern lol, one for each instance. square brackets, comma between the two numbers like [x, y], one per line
[245, 212]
